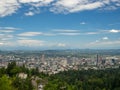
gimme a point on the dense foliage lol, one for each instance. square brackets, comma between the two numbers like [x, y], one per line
[85, 80]
[9, 79]
[108, 79]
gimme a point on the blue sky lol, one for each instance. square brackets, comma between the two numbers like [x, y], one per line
[59, 24]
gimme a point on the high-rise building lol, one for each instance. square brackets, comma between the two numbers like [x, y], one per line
[113, 61]
[43, 58]
[97, 59]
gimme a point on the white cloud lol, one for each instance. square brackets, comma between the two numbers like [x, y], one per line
[9, 7]
[36, 1]
[9, 28]
[35, 6]
[56, 45]
[29, 1]
[22, 38]
[30, 34]
[65, 30]
[82, 23]
[29, 13]
[71, 6]
[61, 45]
[114, 31]
[118, 4]
[76, 5]
[6, 36]
[89, 6]
[1, 43]
[6, 39]
[23, 43]
[105, 38]
[30, 43]
[1, 34]
[91, 33]
[105, 43]
[6, 31]
[32, 11]
[101, 40]
[9, 36]
[69, 34]
[110, 8]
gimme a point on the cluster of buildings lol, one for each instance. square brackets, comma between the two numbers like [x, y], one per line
[55, 64]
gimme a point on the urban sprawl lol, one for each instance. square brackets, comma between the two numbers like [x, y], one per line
[53, 63]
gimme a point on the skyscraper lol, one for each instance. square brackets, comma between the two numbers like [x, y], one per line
[97, 60]
[43, 58]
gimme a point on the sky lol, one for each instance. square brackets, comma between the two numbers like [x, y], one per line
[59, 24]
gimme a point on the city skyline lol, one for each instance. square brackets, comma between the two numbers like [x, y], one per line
[59, 24]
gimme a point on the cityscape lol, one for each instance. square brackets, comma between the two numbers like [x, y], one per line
[59, 44]
[52, 62]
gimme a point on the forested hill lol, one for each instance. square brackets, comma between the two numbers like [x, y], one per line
[85, 80]
[108, 79]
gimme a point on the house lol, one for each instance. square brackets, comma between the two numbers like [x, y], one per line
[22, 75]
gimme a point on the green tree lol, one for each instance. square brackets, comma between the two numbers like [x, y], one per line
[2, 71]
[13, 69]
[22, 84]
[6, 83]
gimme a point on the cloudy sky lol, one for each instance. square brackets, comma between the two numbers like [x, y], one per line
[59, 24]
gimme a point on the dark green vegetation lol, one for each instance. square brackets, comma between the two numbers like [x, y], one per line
[85, 80]
[108, 79]
[9, 79]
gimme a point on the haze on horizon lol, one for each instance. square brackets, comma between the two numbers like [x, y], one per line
[59, 24]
